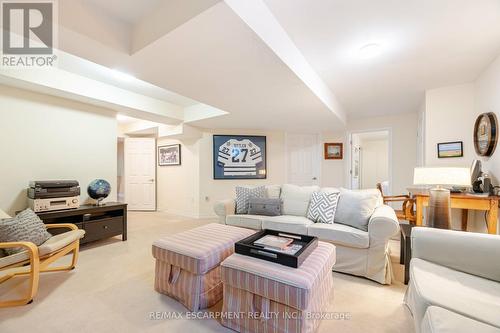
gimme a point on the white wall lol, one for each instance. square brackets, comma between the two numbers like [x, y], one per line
[212, 190]
[333, 171]
[449, 116]
[44, 137]
[487, 90]
[403, 129]
[374, 162]
[190, 190]
[178, 186]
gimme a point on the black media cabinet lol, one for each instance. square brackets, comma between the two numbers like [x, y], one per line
[99, 222]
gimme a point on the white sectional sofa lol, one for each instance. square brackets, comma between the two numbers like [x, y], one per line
[361, 253]
[454, 281]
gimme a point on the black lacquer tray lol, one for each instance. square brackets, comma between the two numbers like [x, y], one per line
[246, 247]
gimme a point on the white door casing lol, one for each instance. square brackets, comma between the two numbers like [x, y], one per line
[303, 159]
[140, 173]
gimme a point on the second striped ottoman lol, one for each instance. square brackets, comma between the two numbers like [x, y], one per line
[262, 296]
[187, 263]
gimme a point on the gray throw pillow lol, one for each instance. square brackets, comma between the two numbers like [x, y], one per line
[356, 207]
[267, 207]
[244, 193]
[323, 206]
[25, 227]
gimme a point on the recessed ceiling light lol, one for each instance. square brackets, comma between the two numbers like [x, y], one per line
[369, 51]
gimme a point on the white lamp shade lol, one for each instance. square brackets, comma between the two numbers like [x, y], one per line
[3, 215]
[442, 176]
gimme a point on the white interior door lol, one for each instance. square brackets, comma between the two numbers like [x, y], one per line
[140, 173]
[303, 159]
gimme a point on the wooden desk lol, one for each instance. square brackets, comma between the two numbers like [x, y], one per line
[465, 202]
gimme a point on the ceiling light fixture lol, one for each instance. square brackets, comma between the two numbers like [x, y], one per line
[369, 51]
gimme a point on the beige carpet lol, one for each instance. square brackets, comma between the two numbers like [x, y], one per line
[111, 290]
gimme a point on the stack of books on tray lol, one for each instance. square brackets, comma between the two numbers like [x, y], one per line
[278, 244]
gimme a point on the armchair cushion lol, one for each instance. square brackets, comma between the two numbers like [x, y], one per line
[439, 320]
[465, 294]
[25, 227]
[53, 244]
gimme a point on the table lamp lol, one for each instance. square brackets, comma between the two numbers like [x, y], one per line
[439, 211]
[3, 215]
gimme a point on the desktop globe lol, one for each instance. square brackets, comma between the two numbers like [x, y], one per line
[99, 189]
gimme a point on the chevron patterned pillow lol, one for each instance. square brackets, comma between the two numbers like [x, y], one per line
[243, 195]
[322, 207]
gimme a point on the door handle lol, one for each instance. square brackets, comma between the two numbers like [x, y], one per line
[152, 180]
[314, 178]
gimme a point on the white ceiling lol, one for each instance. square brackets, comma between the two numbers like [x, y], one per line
[212, 53]
[130, 11]
[424, 44]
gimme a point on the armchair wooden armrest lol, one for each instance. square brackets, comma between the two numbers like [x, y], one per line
[34, 272]
[62, 225]
[31, 247]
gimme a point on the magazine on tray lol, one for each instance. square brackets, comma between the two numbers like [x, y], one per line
[273, 242]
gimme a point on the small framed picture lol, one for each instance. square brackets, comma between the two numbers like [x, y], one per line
[450, 149]
[169, 155]
[334, 151]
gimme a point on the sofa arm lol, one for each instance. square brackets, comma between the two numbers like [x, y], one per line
[383, 223]
[472, 253]
[225, 207]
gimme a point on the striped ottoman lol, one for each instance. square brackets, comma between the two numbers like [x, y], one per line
[269, 297]
[187, 263]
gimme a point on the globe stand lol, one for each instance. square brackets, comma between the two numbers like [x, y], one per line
[100, 202]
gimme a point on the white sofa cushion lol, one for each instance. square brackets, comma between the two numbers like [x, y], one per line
[296, 199]
[287, 223]
[469, 295]
[340, 234]
[439, 320]
[356, 207]
[245, 221]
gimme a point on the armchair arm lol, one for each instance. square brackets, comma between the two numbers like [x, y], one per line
[225, 207]
[383, 223]
[31, 248]
[61, 225]
[468, 252]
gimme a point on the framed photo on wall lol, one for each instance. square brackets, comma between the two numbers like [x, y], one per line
[450, 149]
[334, 151]
[239, 157]
[169, 155]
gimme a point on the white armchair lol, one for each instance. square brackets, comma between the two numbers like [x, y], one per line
[458, 272]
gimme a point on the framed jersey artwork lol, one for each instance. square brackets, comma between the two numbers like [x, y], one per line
[239, 157]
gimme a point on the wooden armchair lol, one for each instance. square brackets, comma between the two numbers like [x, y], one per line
[37, 259]
[407, 211]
